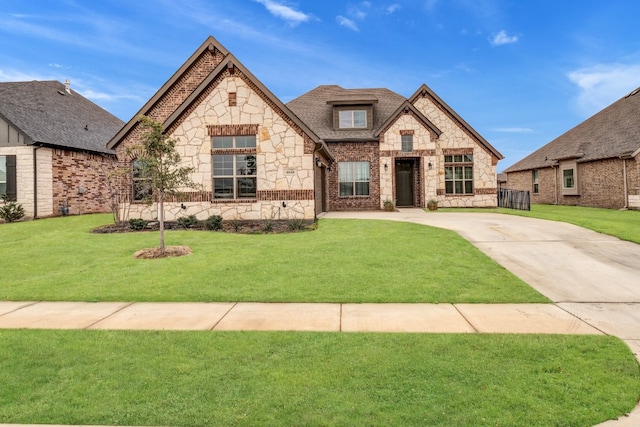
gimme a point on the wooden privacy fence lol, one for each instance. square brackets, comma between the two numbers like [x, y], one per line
[514, 199]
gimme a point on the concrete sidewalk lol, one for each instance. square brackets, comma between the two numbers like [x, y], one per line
[425, 318]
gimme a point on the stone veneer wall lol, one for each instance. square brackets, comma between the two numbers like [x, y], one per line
[24, 178]
[355, 152]
[80, 181]
[424, 149]
[455, 137]
[285, 177]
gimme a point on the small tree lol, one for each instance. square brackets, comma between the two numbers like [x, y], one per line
[159, 160]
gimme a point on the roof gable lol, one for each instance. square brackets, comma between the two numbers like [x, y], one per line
[408, 108]
[425, 91]
[225, 65]
[612, 132]
[51, 114]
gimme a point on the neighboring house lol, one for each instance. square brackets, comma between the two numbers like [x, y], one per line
[594, 164]
[53, 149]
[330, 149]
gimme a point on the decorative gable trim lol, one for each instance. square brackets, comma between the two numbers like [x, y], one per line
[408, 108]
[425, 92]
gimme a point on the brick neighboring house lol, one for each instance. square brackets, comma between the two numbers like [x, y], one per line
[597, 163]
[53, 148]
[330, 149]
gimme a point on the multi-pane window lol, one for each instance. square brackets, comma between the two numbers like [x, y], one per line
[234, 175]
[407, 143]
[140, 182]
[536, 181]
[3, 176]
[568, 180]
[458, 174]
[353, 178]
[352, 119]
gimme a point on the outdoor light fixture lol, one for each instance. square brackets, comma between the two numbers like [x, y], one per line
[318, 162]
[386, 167]
[430, 166]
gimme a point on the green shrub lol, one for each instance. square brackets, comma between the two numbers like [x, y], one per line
[137, 224]
[296, 224]
[267, 226]
[11, 211]
[189, 221]
[214, 222]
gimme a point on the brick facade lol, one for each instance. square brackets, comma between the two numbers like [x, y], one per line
[601, 184]
[354, 152]
[80, 181]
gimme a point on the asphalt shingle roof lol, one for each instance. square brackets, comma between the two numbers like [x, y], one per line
[48, 115]
[613, 132]
[312, 109]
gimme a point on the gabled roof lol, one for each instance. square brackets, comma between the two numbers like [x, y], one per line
[229, 62]
[315, 108]
[406, 107]
[49, 115]
[611, 133]
[426, 91]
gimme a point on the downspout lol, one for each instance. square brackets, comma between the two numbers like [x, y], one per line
[556, 168]
[624, 184]
[35, 182]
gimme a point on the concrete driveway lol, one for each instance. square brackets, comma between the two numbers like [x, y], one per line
[590, 275]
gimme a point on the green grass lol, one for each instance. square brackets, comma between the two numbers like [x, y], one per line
[342, 261]
[284, 379]
[624, 225]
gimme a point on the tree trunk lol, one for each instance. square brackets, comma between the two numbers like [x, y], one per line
[161, 220]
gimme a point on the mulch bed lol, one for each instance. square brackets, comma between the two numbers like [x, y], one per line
[237, 226]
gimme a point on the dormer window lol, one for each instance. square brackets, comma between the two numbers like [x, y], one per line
[352, 119]
[352, 113]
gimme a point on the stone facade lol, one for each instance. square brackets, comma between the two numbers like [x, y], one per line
[285, 170]
[455, 136]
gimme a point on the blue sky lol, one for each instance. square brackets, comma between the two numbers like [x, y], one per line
[521, 72]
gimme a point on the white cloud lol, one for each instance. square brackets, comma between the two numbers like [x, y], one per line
[346, 22]
[513, 130]
[392, 8]
[603, 84]
[503, 38]
[294, 17]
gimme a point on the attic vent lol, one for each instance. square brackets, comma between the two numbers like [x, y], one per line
[67, 86]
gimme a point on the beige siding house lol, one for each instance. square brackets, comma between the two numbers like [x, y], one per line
[330, 149]
[597, 163]
[53, 155]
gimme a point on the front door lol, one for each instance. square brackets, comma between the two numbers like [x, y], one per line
[404, 183]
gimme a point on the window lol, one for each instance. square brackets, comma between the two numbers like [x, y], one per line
[407, 143]
[8, 185]
[536, 181]
[458, 174]
[140, 182]
[3, 175]
[352, 119]
[568, 180]
[234, 175]
[353, 178]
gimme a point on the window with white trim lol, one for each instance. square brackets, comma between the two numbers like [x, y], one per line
[458, 174]
[235, 168]
[3, 175]
[353, 178]
[536, 181]
[352, 119]
[140, 182]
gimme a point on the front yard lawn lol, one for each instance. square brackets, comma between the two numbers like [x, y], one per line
[342, 261]
[285, 379]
